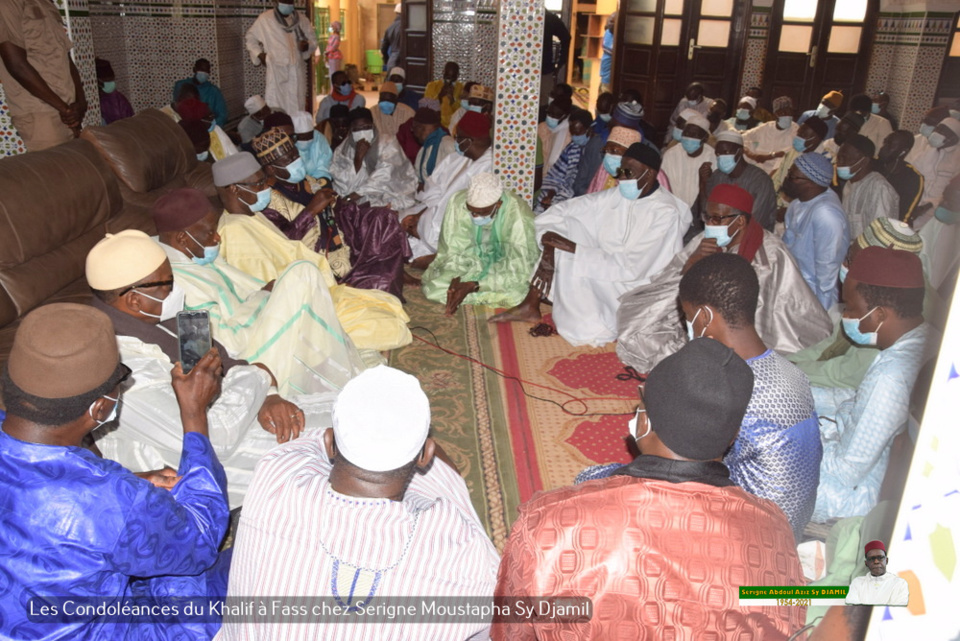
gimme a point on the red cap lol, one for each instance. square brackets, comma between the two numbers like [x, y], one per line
[732, 196]
[192, 109]
[885, 267]
[179, 209]
[474, 125]
[874, 545]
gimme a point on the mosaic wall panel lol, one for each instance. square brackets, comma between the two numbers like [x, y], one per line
[518, 92]
[755, 55]
[466, 32]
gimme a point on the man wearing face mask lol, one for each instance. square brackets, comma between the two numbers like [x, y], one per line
[390, 113]
[941, 240]
[875, 127]
[809, 139]
[684, 164]
[693, 98]
[884, 296]
[848, 126]
[902, 176]
[486, 251]
[447, 90]
[134, 286]
[313, 147]
[825, 111]
[423, 220]
[289, 324]
[816, 225]
[931, 119]
[209, 92]
[553, 133]
[251, 125]
[558, 185]
[789, 316]
[618, 141]
[342, 94]
[435, 143]
[866, 193]
[743, 119]
[113, 104]
[282, 39]
[252, 243]
[939, 163]
[599, 246]
[108, 535]
[733, 169]
[766, 145]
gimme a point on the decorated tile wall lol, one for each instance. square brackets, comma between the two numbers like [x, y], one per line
[465, 32]
[756, 49]
[76, 21]
[518, 92]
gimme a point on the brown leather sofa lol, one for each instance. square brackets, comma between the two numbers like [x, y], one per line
[150, 155]
[55, 205]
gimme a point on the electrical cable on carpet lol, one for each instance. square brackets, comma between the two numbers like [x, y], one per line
[521, 382]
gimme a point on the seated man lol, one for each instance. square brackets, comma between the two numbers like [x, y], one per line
[866, 193]
[621, 540]
[82, 526]
[113, 104]
[343, 94]
[609, 243]
[376, 478]
[789, 316]
[435, 143]
[684, 163]
[618, 141]
[743, 119]
[487, 248]
[193, 110]
[693, 98]
[252, 124]
[134, 286]
[809, 139]
[313, 147]
[407, 96]
[875, 128]
[337, 127]
[250, 242]
[478, 99]
[825, 111]
[289, 324]
[558, 183]
[884, 296]
[938, 160]
[777, 453]
[554, 132]
[390, 113]
[941, 238]
[848, 127]
[766, 145]
[423, 219]
[209, 92]
[902, 176]
[370, 167]
[836, 361]
[733, 169]
[879, 587]
[816, 227]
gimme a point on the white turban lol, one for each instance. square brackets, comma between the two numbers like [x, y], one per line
[254, 104]
[484, 190]
[730, 135]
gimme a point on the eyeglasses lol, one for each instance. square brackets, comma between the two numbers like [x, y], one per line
[157, 283]
[716, 220]
[257, 186]
[874, 559]
[624, 173]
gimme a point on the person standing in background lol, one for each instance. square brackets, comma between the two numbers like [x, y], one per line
[606, 61]
[282, 39]
[332, 53]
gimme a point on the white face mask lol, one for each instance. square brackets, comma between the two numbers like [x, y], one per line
[110, 417]
[632, 424]
[937, 140]
[170, 305]
[366, 134]
[823, 111]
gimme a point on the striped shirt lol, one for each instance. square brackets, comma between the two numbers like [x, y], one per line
[300, 538]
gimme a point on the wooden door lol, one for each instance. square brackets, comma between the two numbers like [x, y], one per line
[664, 45]
[416, 59]
[819, 46]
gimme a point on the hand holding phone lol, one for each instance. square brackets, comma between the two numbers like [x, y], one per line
[193, 332]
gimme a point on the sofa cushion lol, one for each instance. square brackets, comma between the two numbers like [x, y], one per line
[54, 207]
[146, 152]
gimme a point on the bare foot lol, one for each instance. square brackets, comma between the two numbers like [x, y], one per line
[524, 312]
[423, 262]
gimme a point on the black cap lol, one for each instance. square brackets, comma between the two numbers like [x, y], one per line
[818, 126]
[361, 113]
[696, 399]
[645, 154]
[862, 144]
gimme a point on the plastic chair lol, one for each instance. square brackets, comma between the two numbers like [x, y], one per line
[374, 65]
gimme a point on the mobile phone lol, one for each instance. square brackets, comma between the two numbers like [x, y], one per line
[193, 332]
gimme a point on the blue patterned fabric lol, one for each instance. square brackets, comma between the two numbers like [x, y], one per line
[73, 524]
[777, 454]
[561, 176]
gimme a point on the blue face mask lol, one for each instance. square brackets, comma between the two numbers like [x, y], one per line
[552, 122]
[629, 189]
[875, 108]
[677, 134]
[799, 144]
[784, 122]
[263, 198]
[209, 253]
[611, 163]
[399, 86]
[465, 104]
[846, 173]
[202, 76]
[926, 130]
[605, 117]
[844, 270]
[387, 107]
[285, 9]
[462, 151]
[743, 114]
[691, 145]
[694, 320]
[482, 221]
[345, 88]
[851, 327]
[474, 108]
[213, 125]
[297, 171]
[946, 216]
[727, 163]
[721, 233]
[109, 87]
[202, 157]
[580, 140]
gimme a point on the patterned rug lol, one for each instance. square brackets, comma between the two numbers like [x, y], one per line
[506, 443]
